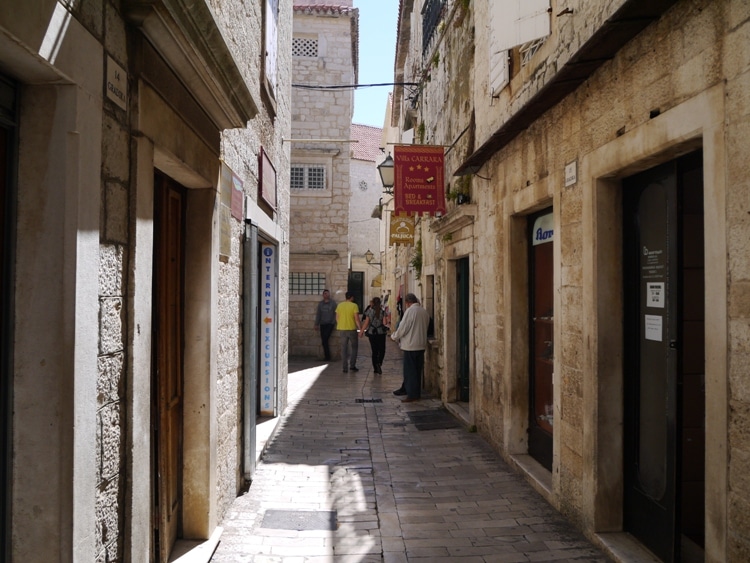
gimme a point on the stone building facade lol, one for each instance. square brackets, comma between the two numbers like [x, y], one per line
[364, 209]
[591, 309]
[145, 197]
[324, 53]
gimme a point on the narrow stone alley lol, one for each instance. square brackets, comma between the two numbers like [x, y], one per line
[352, 474]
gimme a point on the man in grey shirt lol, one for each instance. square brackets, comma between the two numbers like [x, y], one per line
[412, 338]
[325, 321]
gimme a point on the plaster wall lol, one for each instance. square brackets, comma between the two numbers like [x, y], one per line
[57, 258]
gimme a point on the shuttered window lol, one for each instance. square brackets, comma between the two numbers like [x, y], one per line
[513, 23]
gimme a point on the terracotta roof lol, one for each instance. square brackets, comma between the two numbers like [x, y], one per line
[368, 147]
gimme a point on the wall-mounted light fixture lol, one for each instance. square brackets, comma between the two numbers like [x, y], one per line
[369, 256]
[385, 169]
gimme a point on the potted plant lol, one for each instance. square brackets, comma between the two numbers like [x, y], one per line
[460, 192]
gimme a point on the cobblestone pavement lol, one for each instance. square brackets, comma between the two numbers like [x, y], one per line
[349, 478]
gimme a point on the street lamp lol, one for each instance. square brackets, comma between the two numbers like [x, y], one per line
[369, 256]
[386, 174]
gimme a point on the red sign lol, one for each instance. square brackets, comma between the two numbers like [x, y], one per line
[419, 185]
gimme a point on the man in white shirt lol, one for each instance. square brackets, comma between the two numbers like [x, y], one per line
[412, 338]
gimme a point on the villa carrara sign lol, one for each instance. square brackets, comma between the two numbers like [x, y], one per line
[419, 179]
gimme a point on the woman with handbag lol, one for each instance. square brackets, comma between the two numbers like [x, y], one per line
[376, 330]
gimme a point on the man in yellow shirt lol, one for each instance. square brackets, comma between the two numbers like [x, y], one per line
[348, 323]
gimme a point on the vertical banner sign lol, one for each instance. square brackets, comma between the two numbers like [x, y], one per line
[419, 179]
[401, 230]
[268, 330]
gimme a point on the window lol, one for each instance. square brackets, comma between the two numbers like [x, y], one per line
[271, 38]
[306, 283]
[305, 47]
[308, 177]
[431, 13]
[515, 23]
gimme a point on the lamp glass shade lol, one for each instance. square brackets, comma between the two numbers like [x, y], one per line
[386, 171]
[369, 256]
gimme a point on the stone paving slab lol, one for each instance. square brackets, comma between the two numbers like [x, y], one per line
[400, 494]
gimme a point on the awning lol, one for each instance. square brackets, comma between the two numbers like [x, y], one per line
[377, 281]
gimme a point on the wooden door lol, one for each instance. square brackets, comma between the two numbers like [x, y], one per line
[168, 306]
[541, 337]
[8, 134]
[462, 328]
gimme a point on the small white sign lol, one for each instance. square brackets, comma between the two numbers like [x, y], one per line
[544, 229]
[571, 173]
[653, 327]
[655, 294]
[117, 84]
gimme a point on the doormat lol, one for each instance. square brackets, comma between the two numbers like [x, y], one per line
[368, 400]
[299, 520]
[435, 419]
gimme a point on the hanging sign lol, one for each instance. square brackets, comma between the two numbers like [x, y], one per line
[419, 179]
[401, 230]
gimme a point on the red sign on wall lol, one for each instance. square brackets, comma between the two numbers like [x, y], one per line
[419, 185]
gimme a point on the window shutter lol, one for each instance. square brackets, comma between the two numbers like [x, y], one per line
[498, 70]
[513, 23]
[533, 21]
[272, 18]
[501, 28]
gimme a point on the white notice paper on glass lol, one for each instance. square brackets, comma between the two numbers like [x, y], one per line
[653, 327]
[655, 294]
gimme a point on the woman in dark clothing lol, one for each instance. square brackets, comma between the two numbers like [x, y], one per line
[376, 329]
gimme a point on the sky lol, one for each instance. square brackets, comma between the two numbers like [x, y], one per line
[377, 47]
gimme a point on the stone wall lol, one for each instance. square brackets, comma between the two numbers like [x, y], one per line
[113, 300]
[695, 56]
[240, 150]
[319, 223]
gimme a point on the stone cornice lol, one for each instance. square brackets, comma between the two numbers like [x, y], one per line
[461, 216]
[325, 10]
[186, 36]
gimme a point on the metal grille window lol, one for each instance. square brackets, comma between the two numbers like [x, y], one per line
[308, 177]
[529, 49]
[431, 13]
[306, 283]
[304, 47]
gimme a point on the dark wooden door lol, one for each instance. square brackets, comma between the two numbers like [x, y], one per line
[462, 328]
[541, 337]
[168, 295]
[8, 134]
[664, 357]
[356, 284]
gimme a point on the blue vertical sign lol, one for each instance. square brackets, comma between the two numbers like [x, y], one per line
[268, 330]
